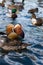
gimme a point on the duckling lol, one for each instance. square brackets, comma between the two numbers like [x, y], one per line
[33, 10]
[18, 30]
[36, 21]
[2, 3]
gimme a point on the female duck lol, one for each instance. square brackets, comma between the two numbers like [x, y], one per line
[36, 21]
[33, 10]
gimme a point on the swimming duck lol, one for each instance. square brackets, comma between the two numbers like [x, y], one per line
[14, 31]
[15, 45]
[9, 28]
[2, 3]
[36, 21]
[18, 6]
[10, 32]
[33, 10]
[12, 13]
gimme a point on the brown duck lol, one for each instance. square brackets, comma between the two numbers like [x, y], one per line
[36, 21]
[9, 45]
[33, 10]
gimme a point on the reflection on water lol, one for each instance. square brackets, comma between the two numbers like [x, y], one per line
[33, 55]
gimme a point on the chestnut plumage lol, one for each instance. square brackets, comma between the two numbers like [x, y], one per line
[9, 28]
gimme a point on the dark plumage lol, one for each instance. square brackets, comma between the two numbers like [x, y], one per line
[33, 10]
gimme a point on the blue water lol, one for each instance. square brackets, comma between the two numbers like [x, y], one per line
[33, 35]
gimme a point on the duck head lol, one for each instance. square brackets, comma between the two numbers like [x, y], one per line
[9, 28]
[18, 30]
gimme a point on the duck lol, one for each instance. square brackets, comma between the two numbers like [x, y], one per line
[11, 13]
[18, 6]
[14, 32]
[15, 45]
[12, 36]
[2, 3]
[36, 21]
[33, 10]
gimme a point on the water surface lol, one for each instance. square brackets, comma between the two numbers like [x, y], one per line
[33, 34]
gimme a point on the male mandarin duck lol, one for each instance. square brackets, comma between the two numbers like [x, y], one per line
[14, 31]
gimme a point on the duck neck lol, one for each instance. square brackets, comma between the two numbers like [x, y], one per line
[34, 16]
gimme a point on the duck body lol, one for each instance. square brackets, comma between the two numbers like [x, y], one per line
[36, 21]
[15, 45]
[2, 3]
[18, 6]
[11, 5]
[33, 10]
